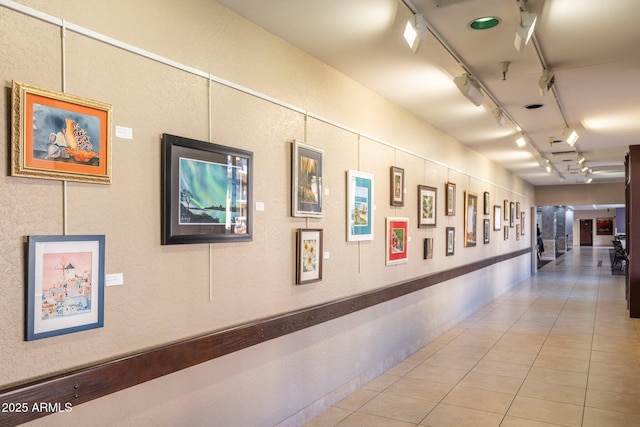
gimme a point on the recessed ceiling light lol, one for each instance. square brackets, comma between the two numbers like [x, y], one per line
[484, 23]
[533, 106]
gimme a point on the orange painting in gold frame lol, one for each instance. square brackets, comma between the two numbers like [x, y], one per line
[59, 136]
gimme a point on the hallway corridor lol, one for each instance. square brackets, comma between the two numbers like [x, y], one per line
[557, 350]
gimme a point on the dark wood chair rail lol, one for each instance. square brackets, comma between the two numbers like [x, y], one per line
[85, 384]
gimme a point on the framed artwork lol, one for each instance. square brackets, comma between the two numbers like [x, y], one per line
[450, 201]
[360, 206]
[604, 226]
[506, 210]
[518, 231]
[428, 248]
[308, 255]
[65, 284]
[522, 223]
[427, 206]
[397, 242]
[470, 218]
[451, 240]
[487, 230]
[307, 170]
[497, 217]
[206, 192]
[397, 186]
[506, 232]
[517, 210]
[512, 214]
[59, 136]
[486, 205]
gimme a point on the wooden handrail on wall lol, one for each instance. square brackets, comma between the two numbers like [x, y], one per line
[62, 391]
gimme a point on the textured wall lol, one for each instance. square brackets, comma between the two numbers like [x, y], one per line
[166, 292]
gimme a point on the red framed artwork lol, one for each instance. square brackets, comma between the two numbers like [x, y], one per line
[397, 243]
[59, 136]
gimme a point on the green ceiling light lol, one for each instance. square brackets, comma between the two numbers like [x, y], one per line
[484, 23]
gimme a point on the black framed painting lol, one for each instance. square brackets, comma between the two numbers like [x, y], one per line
[206, 192]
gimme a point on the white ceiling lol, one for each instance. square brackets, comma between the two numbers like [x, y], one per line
[592, 47]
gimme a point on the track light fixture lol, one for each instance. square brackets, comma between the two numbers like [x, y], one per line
[547, 79]
[570, 136]
[499, 116]
[524, 31]
[415, 31]
[469, 88]
[521, 142]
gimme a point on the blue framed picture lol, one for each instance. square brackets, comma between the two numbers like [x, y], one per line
[360, 206]
[65, 284]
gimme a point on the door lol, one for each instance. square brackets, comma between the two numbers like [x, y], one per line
[586, 232]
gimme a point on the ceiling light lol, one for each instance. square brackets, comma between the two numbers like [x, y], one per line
[499, 116]
[484, 23]
[521, 142]
[548, 168]
[524, 31]
[588, 179]
[415, 31]
[581, 160]
[546, 81]
[542, 161]
[583, 168]
[570, 136]
[469, 88]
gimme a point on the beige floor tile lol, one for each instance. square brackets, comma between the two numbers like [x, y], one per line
[402, 368]
[483, 400]
[625, 370]
[329, 418]
[420, 389]
[437, 374]
[617, 358]
[398, 408]
[561, 351]
[562, 363]
[450, 361]
[455, 416]
[554, 376]
[356, 399]
[619, 402]
[554, 392]
[492, 382]
[380, 383]
[502, 368]
[594, 417]
[546, 411]
[510, 421]
[511, 357]
[614, 384]
[358, 419]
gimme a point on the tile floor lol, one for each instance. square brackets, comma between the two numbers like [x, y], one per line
[557, 350]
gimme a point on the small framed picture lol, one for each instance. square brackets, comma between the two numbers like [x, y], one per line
[206, 192]
[65, 284]
[60, 136]
[397, 244]
[522, 223]
[470, 218]
[517, 210]
[512, 214]
[451, 240]
[486, 205]
[427, 206]
[307, 165]
[450, 201]
[506, 210]
[428, 248]
[517, 231]
[506, 232]
[397, 186]
[360, 206]
[497, 217]
[487, 230]
[308, 255]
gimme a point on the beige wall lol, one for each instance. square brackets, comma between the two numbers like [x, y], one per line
[165, 296]
[587, 194]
